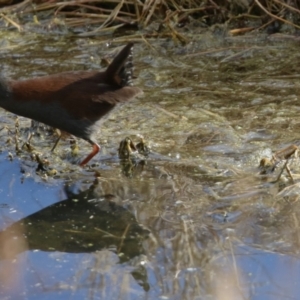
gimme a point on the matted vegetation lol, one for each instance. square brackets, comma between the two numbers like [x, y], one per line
[169, 16]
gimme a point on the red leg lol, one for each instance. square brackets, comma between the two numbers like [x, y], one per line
[96, 149]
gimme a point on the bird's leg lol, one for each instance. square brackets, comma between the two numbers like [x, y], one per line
[96, 149]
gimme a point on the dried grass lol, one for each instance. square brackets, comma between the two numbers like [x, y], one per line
[169, 14]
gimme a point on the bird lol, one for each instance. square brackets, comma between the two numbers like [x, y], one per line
[74, 101]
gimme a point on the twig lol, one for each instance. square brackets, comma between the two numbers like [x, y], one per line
[274, 16]
[19, 27]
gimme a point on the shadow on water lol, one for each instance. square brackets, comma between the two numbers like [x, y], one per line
[84, 223]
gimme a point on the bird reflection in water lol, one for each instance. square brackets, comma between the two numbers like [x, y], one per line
[83, 223]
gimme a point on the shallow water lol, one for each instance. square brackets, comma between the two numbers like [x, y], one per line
[195, 220]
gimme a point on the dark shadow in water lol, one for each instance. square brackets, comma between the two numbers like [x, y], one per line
[83, 223]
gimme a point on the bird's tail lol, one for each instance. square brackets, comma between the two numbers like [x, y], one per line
[120, 70]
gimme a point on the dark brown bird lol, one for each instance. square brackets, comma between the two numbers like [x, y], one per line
[73, 102]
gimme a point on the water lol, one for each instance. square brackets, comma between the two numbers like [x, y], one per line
[196, 220]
